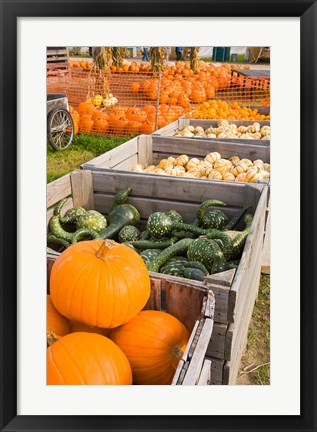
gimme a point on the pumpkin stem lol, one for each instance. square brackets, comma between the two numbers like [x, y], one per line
[105, 246]
[177, 351]
[51, 338]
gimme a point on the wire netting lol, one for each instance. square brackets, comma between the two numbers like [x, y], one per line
[132, 99]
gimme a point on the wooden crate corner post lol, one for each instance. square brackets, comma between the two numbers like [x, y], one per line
[82, 189]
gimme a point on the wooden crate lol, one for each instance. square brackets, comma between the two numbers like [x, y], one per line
[148, 150]
[174, 127]
[55, 55]
[235, 290]
[194, 307]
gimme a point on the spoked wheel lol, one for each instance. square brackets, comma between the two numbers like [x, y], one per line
[60, 129]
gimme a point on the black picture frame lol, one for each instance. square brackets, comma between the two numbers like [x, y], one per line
[10, 11]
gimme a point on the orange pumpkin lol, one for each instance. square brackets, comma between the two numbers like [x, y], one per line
[101, 125]
[86, 108]
[55, 322]
[153, 342]
[100, 283]
[135, 87]
[87, 359]
[134, 127]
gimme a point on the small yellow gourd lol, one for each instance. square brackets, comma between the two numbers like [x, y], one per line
[228, 176]
[241, 178]
[182, 160]
[138, 168]
[192, 163]
[212, 157]
[215, 175]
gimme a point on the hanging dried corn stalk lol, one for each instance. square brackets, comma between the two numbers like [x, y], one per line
[98, 79]
[157, 56]
[194, 58]
[118, 54]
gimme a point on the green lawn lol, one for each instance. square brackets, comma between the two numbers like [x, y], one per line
[83, 148]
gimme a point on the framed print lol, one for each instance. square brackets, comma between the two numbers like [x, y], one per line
[30, 398]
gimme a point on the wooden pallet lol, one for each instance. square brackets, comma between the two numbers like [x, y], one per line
[57, 55]
[234, 290]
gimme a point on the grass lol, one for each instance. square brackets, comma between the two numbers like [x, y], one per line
[255, 364]
[83, 148]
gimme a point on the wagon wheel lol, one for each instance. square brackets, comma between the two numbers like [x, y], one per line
[60, 129]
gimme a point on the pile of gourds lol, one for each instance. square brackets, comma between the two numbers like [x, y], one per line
[212, 167]
[227, 130]
[220, 109]
[166, 234]
[97, 330]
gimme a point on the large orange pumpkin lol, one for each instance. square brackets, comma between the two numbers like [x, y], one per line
[87, 358]
[55, 322]
[154, 343]
[100, 283]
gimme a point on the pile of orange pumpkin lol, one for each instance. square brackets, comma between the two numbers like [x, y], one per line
[217, 109]
[123, 120]
[84, 64]
[181, 86]
[97, 332]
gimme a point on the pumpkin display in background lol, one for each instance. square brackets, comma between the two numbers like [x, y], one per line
[55, 322]
[87, 359]
[154, 343]
[100, 283]
[76, 326]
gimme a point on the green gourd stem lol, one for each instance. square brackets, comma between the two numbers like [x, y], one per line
[58, 207]
[197, 265]
[194, 274]
[57, 230]
[239, 237]
[84, 234]
[201, 213]
[237, 218]
[151, 244]
[72, 215]
[121, 215]
[120, 197]
[179, 248]
[52, 239]
[225, 240]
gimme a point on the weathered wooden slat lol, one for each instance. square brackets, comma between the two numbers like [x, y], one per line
[198, 357]
[253, 243]
[266, 253]
[216, 371]
[82, 189]
[154, 302]
[127, 163]
[205, 375]
[58, 189]
[174, 146]
[144, 150]
[182, 302]
[175, 188]
[224, 278]
[114, 156]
